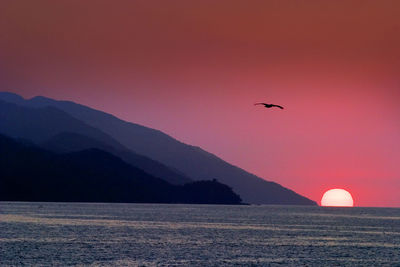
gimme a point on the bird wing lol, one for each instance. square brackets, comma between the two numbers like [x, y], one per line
[278, 106]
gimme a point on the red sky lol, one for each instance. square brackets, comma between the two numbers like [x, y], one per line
[194, 69]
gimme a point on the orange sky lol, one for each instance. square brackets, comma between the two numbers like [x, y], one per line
[194, 69]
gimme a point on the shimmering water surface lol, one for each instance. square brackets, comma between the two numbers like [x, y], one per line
[62, 234]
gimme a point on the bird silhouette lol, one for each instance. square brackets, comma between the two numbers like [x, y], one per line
[268, 105]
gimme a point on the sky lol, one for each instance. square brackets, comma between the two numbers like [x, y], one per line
[194, 69]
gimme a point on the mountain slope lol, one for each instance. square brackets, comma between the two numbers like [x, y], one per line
[72, 142]
[39, 124]
[192, 161]
[59, 131]
[29, 173]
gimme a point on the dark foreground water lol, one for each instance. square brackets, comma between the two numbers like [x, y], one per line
[61, 234]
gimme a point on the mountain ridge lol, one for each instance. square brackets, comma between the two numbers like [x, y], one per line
[41, 124]
[30, 173]
[192, 161]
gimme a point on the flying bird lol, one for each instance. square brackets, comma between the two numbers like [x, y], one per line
[269, 105]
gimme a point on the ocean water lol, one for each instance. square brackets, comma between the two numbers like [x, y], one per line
[87, 234]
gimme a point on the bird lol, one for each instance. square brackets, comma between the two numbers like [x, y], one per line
[268, 105]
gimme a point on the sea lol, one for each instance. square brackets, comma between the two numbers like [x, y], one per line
[98, 234]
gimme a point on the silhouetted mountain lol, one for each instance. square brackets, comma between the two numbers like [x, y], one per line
[28, 173]
[208, 192]
[59, 131]
[12, 98]
[71, 142]
[40, 124]
[189, 160]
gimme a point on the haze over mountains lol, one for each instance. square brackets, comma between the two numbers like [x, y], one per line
[63, 126]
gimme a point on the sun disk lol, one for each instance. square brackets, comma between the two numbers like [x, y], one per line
[337, 198]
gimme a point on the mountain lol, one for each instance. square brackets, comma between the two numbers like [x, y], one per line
[29, 173]
[71, 142]
[40, 124]
[192, 161]
[58, 131]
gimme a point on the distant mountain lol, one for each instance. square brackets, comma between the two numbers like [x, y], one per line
[28, 173]
[57, 130]
[40, 124]
[72, 142]
[193, 162]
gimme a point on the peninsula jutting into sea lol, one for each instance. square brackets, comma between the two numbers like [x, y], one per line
[63, 151]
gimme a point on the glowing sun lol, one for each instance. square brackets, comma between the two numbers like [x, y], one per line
[337, 198]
